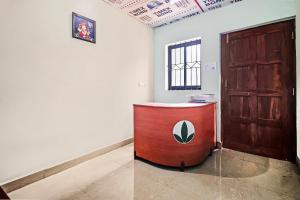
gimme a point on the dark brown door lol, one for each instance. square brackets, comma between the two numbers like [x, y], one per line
[258, 91]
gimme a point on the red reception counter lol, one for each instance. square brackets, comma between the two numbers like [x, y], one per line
[177, 135]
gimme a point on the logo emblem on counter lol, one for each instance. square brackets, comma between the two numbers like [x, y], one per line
[184, 131]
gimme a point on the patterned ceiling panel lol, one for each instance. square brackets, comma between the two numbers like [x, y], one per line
[157, 13]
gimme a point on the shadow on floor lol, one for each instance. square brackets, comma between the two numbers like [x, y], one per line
[223, 164]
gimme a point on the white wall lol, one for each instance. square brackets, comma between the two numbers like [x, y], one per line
[61, 97]
[298, 76]
[209, 26]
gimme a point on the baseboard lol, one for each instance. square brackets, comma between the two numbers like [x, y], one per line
[22, 182]
[298, 162]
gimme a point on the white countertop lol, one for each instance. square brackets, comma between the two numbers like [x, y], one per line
[174, 105]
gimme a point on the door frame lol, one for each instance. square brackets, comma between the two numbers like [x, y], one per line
[222, 82]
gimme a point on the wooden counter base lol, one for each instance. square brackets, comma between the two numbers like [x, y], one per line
[157, 139]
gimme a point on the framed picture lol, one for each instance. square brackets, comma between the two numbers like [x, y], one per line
[83, 28]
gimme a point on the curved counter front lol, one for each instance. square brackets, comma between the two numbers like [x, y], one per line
[177, 135]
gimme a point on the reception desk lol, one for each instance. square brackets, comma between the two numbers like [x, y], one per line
[177, 135]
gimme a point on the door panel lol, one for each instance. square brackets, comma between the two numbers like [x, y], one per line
[269, 77]
[269, 108]
[247, 53]
[239, 78]
[241, 111]
[258, 106]
[269, 46]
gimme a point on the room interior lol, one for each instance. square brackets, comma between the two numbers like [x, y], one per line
[154, 99]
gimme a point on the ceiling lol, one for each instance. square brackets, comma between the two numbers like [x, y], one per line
[157, 13]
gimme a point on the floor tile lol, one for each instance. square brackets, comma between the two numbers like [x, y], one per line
[227, 174]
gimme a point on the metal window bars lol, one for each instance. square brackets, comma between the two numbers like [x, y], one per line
[184, 66]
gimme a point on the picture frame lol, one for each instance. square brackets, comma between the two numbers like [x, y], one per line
[83, 28]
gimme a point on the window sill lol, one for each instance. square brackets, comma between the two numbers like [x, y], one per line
[185, 88]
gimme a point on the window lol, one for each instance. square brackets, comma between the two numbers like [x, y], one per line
[184, 65]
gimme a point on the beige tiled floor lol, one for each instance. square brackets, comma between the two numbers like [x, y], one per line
[225, 175]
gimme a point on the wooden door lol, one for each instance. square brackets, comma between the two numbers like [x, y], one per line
[258, 91]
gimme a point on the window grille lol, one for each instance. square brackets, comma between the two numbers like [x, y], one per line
[184, 66]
